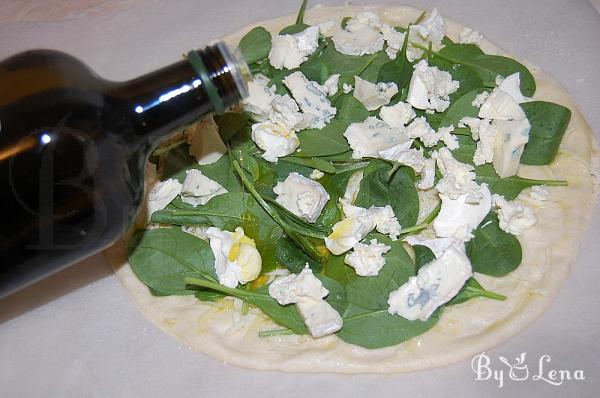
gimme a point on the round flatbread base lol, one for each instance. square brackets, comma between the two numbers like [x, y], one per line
[549, 250]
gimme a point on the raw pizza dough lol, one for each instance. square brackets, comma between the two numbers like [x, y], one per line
[549, 250]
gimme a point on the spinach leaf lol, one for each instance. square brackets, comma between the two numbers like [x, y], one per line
[423, 255]
[461, 108]
[231, 123]
[376, 189]
[299, 26]
[473, 289]
[293, 258]
[492, 251]
[548, 125]
[337, 293]
[486, 66]
[327, 141]
[350, 110]
[399, 70]
[315, 163]
[255, 45]
[372, 292]
[161, 258]
[208, 295]
[509, 187]
[378, 329]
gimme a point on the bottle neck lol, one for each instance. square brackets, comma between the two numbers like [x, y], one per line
[176, 95]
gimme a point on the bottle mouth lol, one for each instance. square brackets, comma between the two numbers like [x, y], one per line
[237, 67]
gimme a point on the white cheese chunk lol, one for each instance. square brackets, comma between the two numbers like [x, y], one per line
[317, 174]
[431, 30]
[445, 135]
[371, 136]
[311, 98]
[205, 143]
[469, 36]
[307, 292]
[367, 260]
[394, 40]
[403, 154]
[274, 139]
[260, 95]
[459, 217]
[162, 194]
[457, 178]
[371, 95]
[430, 88]
[509, 143]
[501, 106]
[513, 217]
[353, 187]
[330, 27]
[290, 51]
[285, 112]
[437, 245]
[386, 221]
[361, 36]
[398, 115]
[289, 289]
[236, 258]
[484, 132]
[427, 175]
[198, 189]
[419, 128]
[319, 316]
[302, 196]
[435, 284]
[346, 88]
[352, 229]
[480, 99]
[331, 84]
[511, 85]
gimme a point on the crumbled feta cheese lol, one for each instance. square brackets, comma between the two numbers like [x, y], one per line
[204, 141]
[352, 229]
[260, 95]
[501, 106]
[311, 97]
[511, 85]
[419, 128]
[386, 221]
[514, 217]
[435, 284]
[351, 192]
[162, 194]
[458, 178]
[198, 189]
[346, 88]
[469, 36]
[398, 115]
[427, 175]
[361, 36]
[319, 316]
[371, 136]
[459, 217]
[236, 258]
[437, 245]
[302, 196]
[307, 292]
[511, 137]
[372, 95]
[274, 139]
[403, 154]
[289, 51]
[317, 174]
[538, 193]
[480, 99]
[484, 133]
[367, 260]
[430, 88]
[288, 289]
[331, 84]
